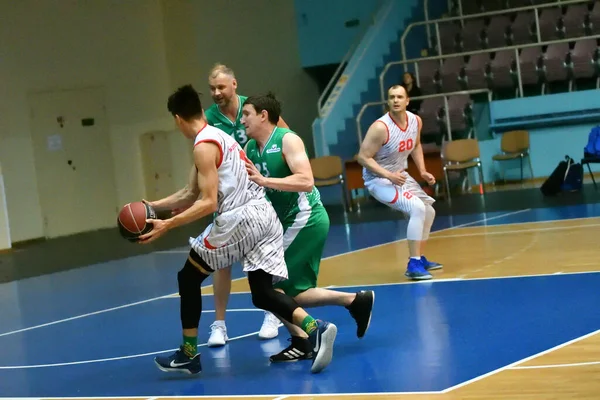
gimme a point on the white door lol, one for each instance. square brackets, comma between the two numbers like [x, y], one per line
[73, 161]
[157, 164]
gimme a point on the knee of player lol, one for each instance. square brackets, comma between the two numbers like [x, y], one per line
[417, 209]
[260, 300]
[190, 277]
[430, 210]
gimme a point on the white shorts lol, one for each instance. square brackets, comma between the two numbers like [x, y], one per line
[401, 198]
[252, 234]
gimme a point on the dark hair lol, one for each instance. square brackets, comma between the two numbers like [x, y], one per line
[396, 87]
[185, 102]
[266, 102]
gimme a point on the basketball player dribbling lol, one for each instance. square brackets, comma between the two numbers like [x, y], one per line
[245, 229]
[383, 154]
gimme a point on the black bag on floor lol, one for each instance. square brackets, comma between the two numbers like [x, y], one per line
[573, 178]
[553, 184]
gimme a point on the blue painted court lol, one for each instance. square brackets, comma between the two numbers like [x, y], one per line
[94, 331]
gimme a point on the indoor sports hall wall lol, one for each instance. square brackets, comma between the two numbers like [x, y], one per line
[136, 51]
[327, 29]
[548, 147]
[561, 125]
[54, 45]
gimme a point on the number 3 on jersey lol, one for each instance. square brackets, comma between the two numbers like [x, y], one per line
[405, 145]
[241, 136]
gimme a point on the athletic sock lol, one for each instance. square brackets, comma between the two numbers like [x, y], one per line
[190, 346]
[309, 324]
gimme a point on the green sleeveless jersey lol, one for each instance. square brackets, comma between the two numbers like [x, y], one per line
[216, 118]
[270, 162]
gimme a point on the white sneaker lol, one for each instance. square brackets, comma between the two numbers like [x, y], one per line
[218, 334]
[270, 327]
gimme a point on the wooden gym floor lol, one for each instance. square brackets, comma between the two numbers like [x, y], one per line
[513, 315]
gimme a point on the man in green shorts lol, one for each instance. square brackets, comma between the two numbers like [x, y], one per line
[278, 161]
[226, 114]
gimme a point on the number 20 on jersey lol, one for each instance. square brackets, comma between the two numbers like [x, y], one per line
[405, 145]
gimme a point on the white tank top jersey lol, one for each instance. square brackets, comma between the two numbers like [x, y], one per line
[393, 155]
[235, 187]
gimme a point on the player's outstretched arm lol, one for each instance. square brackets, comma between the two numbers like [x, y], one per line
[375, 138]
[295, 156]
[181, 199]
[207, 155]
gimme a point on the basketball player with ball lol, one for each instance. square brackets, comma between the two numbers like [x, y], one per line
[383, 154]
[246, 229]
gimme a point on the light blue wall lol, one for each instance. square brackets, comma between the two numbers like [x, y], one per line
[558, 103]
[361, 67]
[549, 142]
[548, 147]
[322, 34]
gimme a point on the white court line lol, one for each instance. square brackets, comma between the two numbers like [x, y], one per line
[403, 239]
[84, 315]
[174, 294]
[439, 230]
[95, 313]
[514, 231]
[234, 396]
[433, 281]
[533, 241]
[132, 355]
[311, 395]
[580, 364]
[250, 334]
[509, 366]
[545, 221]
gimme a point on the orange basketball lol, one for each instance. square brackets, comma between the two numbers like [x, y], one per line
[132, 220]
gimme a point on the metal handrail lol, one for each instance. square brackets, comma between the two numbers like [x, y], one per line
[342, 65]
[426, 15]
[484, 14]
[493, 50]
[427, 96]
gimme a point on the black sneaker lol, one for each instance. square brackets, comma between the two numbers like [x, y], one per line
[361, 309]
[179, 362]
[300, 349]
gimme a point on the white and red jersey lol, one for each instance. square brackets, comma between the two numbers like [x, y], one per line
[393, 155]
[235, 187]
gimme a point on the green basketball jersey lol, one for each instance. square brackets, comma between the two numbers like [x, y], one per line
[217, 119]
[270, 163]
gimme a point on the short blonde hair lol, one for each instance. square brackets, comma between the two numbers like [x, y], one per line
[221, 69]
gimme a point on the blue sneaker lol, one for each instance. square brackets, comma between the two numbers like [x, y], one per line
[416, 270]
[179, 362]
[322, 340]
[430, 265]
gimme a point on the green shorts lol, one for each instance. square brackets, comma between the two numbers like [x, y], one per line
[303, 240]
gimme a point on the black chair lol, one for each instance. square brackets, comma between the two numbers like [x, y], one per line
[587, 160]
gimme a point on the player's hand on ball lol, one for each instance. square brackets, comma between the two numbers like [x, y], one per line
[430, 179]
[398, 178]
[148, 202]
[160, 227]
[254, 174]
